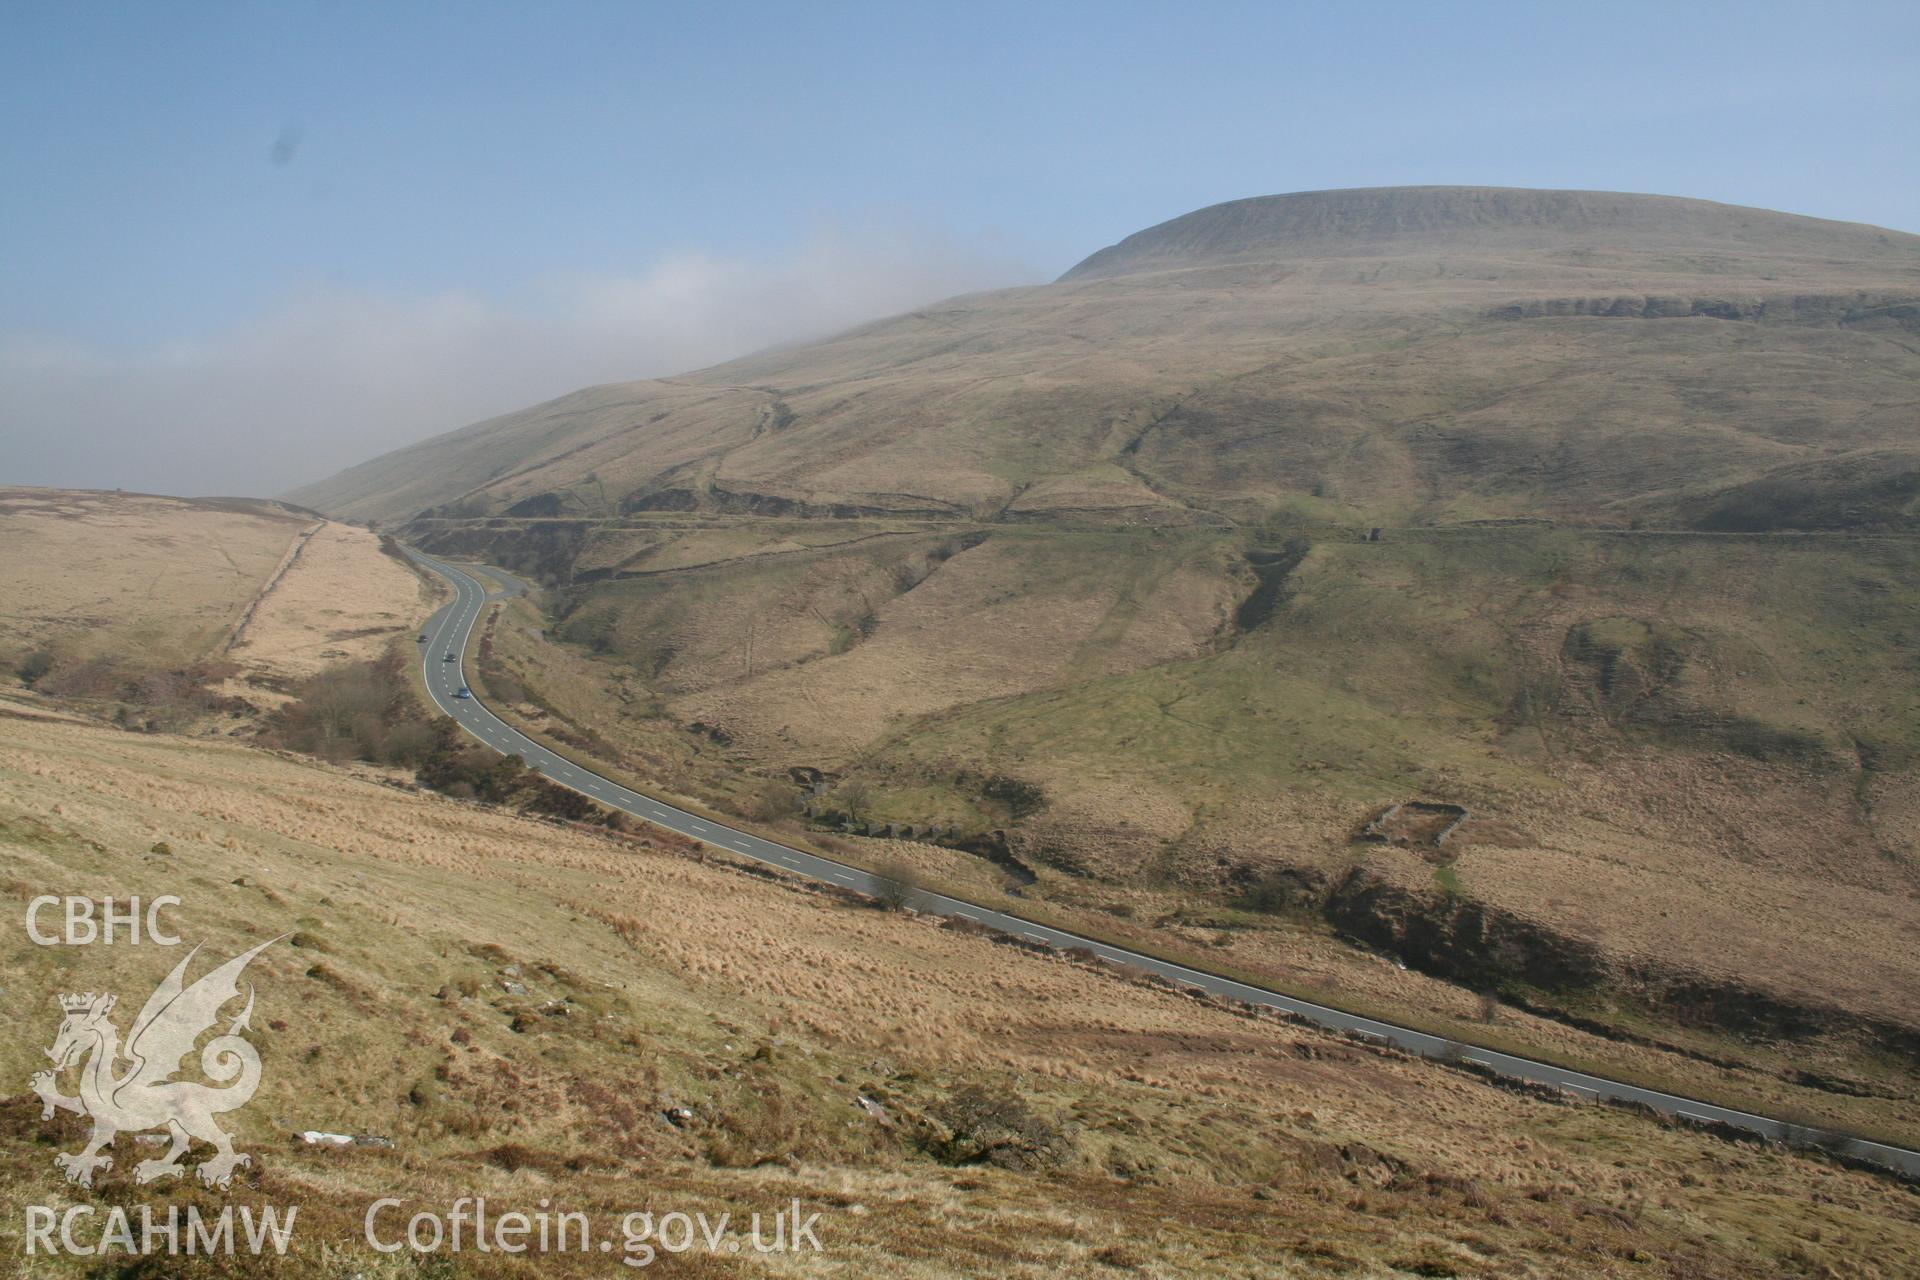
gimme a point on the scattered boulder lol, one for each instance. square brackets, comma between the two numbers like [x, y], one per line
[319, 1138]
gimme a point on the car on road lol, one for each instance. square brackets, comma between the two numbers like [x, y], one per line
[423, 638]
[448, 658]
[463, 692]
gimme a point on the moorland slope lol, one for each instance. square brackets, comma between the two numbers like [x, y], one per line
[547, 1014]
[176, 610]
[1145, 592]
[1394, 355]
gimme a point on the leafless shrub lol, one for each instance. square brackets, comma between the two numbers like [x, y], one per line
[35, 665]
[899, 887]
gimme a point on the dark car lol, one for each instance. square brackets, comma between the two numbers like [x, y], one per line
[423, 638]
[448, 658]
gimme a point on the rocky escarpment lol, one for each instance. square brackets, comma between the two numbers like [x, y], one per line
[1854, 309]
[714, 500]
[543, 550]
[1459, 938]
[1462, 940]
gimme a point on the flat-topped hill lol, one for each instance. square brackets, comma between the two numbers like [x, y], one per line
[1382, 220]
[1392, 356]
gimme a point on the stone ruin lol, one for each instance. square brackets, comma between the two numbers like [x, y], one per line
[1415, 823]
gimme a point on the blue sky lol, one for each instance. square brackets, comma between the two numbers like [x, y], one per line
[474, 205]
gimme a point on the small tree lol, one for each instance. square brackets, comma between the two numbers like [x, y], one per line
[856, 797]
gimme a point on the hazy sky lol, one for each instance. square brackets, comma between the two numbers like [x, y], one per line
[244, 245]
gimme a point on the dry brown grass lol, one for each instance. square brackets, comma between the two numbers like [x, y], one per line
[1172, 784]
[1377, 376]
[146, 582]
[341, 600]
[965, 635]
[190, 615]
[1424, 360]
[1203, 1141]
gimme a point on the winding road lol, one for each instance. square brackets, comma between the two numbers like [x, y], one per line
[449, 630]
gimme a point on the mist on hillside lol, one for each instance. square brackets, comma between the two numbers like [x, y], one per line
[333, 375]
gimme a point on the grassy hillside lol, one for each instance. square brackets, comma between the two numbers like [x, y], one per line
[1395, 356]
[549, 1015]
[1141, 594]
[179, 612]
[1674, 750]
[147, 580]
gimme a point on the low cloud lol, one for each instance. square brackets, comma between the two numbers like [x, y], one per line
[334, 377]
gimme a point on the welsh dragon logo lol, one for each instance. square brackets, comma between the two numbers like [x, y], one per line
[144, 1094]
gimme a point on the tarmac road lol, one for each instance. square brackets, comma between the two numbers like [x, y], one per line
[448, 631]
